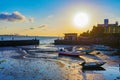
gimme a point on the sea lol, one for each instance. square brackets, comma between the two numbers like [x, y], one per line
[42, 62]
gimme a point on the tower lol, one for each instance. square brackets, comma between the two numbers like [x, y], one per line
[116, 23]
[106, 21]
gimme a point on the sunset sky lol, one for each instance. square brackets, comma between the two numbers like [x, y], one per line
[53, 17]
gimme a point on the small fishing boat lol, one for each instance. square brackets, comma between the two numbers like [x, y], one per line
[92, 64]
[93, 69]
[86, 51]
[70, 53]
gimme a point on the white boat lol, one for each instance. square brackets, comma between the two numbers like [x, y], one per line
[71, 53]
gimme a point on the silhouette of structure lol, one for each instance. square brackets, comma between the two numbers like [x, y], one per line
[109, 28]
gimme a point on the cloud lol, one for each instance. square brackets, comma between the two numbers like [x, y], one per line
[13, 17]
[50, 16]
[35, 28]
[31, 19]
[31, 28]
[41, 26]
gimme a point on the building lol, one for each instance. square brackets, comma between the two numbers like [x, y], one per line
[70, 36]
[110, 28]
[69, 39]
[106, 24]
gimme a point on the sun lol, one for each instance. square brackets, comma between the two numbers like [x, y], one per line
[80, 20]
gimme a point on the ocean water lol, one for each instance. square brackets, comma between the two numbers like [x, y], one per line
[42, 62]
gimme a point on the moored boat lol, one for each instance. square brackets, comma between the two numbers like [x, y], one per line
[102, 48]
[68, 53]
[92, 64]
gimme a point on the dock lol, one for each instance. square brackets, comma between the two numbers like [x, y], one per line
[18, 42]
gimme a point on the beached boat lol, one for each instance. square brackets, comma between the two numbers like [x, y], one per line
[86, 51]
[92, 64]
[102, 48]
[68, 53]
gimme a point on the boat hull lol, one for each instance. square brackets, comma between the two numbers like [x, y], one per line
[70, 54]
[93, 65]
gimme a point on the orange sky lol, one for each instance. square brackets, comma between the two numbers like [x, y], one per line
[53, 18]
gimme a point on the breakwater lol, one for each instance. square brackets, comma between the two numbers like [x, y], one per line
[18, 42]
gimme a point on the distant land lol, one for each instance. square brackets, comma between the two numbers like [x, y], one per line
[27, 35]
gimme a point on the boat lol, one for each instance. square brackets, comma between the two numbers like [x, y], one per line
[70, 53]
[93, 69]
[92, 64]
[86, 51]
[102, 48]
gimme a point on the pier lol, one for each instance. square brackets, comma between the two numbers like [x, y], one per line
[18, 42]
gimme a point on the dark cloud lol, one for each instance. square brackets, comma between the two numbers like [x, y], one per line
[13, 17]
[31, 28]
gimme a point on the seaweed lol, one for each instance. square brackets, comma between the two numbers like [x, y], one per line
[1, 68]
[1, 61]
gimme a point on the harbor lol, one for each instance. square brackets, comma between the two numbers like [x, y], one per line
[60, 40]
[49, 65]
[49, 58]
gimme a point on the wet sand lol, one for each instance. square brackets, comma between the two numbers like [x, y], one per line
[50, 66]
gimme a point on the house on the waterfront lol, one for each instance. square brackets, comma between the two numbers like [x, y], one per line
[70, 36]
[72, 39]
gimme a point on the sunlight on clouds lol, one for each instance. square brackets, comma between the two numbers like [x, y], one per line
[12, 17]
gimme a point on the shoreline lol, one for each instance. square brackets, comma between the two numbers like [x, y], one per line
[63, 67]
